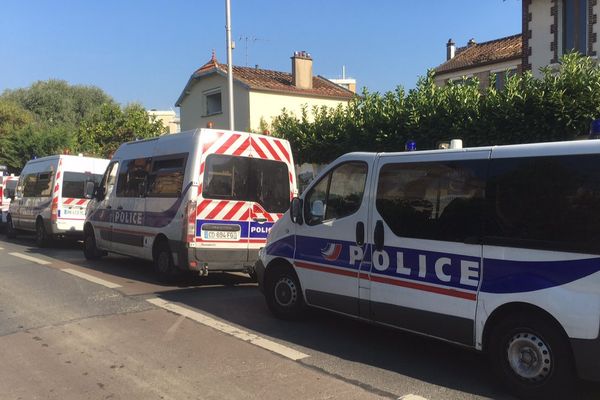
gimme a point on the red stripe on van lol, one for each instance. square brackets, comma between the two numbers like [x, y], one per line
[271, 150]
[202, 205]
[234, 210]
[67, 201]
[389, 281]
[217, 209]
[283, 150]
[81, 202]
[201, 168]
[242, 148]
[234, 137]
[258, 150]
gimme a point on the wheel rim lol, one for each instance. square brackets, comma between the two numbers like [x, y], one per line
[286, 292]
[529, 357]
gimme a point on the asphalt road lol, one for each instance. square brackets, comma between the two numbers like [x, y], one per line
[73, 329]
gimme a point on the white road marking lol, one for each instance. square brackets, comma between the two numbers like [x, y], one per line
[230, 330]
[411, 397]
[91, 278]
[1, 248]
[30, 258]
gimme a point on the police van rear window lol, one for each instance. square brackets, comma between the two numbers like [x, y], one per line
[74, 183]
[248, 179]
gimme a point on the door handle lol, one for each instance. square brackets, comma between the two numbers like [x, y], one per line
[360, 233]
[256, 219]
[378, 236]
[120, 208]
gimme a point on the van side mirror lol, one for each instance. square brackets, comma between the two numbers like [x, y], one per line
[296, 211]
[90, 190]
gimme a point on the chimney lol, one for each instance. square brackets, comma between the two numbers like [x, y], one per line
[302, 70]
[450, 49]
[471, 42]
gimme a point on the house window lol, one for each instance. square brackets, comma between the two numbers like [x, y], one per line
[213, 103]
[502, 77]
[574, 26]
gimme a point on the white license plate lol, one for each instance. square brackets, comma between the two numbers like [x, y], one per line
[219, 235]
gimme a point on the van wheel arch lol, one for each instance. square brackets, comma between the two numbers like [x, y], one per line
[42, 237]
[506, 310]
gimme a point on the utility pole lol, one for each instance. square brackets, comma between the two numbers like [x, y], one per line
[229, 62]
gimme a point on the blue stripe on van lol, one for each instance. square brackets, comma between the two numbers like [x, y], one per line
[499, 276]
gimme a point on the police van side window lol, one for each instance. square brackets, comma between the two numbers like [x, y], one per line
[166, 176]
[133, 178]
[29, 185]
[44, 184]
[337, 195]
[433, 200]
[550, 203]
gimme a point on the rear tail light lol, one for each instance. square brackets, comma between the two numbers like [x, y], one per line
[189, 226]
[54, 209]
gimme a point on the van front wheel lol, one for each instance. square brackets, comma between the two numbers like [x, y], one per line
[283, 292]
[11, 232]
[530, 354]
[90, 250]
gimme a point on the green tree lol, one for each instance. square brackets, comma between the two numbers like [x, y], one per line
[110, 126]
[55, 102]
[33, 141]
[13, 117]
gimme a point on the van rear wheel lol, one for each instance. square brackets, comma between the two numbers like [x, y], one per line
[532, 357]
[42, 239]
[163, 263]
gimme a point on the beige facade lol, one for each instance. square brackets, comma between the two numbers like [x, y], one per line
[169, 119]
[482, 73]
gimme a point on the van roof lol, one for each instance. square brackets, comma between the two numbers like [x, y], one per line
[59, 156]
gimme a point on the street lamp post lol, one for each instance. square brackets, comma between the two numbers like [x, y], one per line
[229, 63]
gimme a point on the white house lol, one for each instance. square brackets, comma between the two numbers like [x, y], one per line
[259, 94]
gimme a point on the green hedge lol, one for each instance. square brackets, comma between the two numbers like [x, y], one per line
[558, 106]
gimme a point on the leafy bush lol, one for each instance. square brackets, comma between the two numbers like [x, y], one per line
[558, 106]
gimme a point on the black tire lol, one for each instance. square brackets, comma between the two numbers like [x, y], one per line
[163, 263]
[252, 275]
[90, 250]
[532, 357]
[11, 232]
[42, 239]
[283, 292]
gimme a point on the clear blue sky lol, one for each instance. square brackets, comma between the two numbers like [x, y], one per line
[145, 50]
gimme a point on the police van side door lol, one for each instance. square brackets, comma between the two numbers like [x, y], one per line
[328, 250]
[101, 214]
[128, 233]
[427, 253]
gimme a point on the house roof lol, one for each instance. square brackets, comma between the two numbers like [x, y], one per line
[495, 51]
[268, 80]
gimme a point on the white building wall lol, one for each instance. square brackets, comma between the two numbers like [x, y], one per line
[541, 37]
[269, 105]
[193, 108]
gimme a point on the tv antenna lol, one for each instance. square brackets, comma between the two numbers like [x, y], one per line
[249, 40]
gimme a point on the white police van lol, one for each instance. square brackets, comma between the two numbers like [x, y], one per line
[494, 248]
[49, 198]
[199, 200]
[8, 185]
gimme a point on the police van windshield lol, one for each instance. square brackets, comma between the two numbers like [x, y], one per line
[74, 183]
[248, 179]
